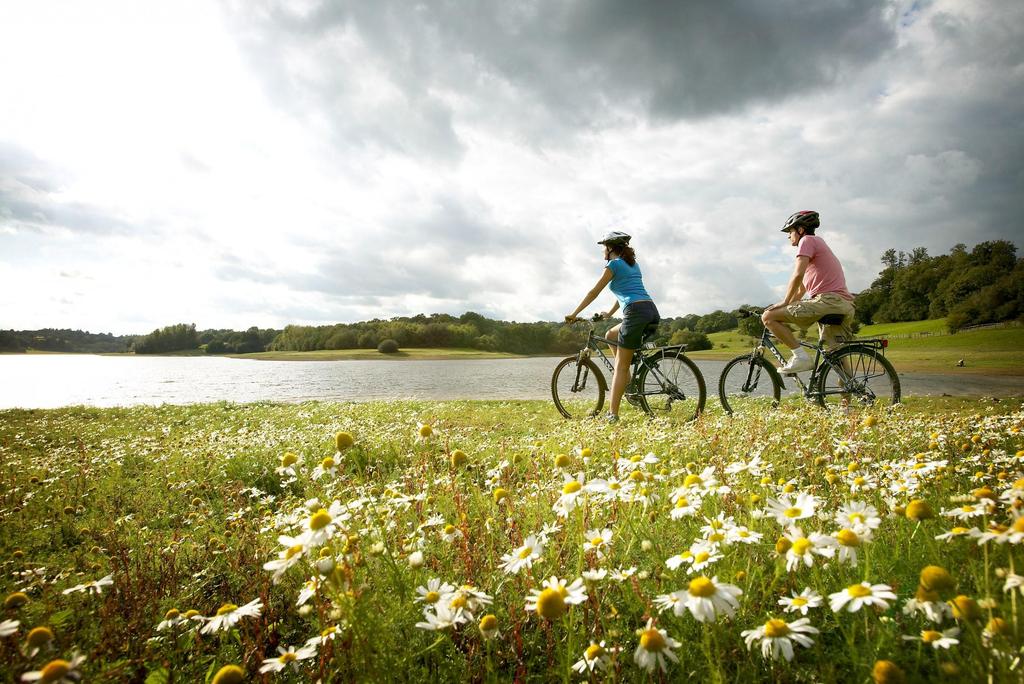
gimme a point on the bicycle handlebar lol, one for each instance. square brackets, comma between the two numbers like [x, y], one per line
[593, 319]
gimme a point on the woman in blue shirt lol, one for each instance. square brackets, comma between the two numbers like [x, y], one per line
[639, 314]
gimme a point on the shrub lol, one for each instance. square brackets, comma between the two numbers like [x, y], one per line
[216, 347]
[387, 347]
[694, 341]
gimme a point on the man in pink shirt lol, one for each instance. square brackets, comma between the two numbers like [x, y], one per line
[818, 274]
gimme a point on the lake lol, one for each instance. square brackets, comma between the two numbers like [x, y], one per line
[53, 380]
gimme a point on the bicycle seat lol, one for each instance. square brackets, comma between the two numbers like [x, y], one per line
[831, 319]
[649, 332]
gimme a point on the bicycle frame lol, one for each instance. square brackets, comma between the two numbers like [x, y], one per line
[821, 359]
[594, 343]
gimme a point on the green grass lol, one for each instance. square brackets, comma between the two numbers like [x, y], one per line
[182, 506]
[983, 351]
[728, 343]
[987, 351]
[431, 354]
[936, 325]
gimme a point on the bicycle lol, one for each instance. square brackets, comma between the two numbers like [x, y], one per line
[664, 381]
[852, 373]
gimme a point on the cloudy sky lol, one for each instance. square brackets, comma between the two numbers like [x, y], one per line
[265, 162]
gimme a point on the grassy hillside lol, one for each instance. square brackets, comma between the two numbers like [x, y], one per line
[936, 325]
[998, 350]
[730, 342]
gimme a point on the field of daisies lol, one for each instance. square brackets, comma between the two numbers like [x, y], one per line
[487, 541]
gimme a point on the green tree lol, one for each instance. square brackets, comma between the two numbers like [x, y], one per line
[179, 337]
[694, 341]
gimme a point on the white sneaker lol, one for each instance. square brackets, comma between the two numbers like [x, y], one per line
[797, 364]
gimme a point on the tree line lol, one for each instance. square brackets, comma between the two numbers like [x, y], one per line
[967, 287]
[185, 337]
[982, 285]
[63, 340]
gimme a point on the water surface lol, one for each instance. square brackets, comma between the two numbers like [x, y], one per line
[53, 380]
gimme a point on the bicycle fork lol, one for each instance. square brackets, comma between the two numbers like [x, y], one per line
[582, 372]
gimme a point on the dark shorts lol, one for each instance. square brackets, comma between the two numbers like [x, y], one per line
[636, 319]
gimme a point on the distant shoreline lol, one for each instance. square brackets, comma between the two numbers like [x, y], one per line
[411, 354]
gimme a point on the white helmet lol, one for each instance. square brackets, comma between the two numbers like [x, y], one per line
[615, 238]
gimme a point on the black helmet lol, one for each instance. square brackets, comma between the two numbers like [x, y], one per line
[615, 238]
[802, 219]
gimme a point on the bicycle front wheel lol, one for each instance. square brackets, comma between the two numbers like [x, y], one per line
[578, 388]
[858, 377]
[747, 384]
[671, 385]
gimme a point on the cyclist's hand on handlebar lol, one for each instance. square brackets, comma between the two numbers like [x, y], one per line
[571, 319]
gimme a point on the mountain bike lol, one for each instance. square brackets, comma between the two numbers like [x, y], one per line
[852, 374]
[664, 381]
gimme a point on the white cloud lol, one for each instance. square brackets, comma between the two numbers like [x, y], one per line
[272, 163]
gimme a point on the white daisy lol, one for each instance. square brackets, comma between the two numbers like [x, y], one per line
[676, 601]
[323, 524]
[786, 510]
[434, 591]
[803, 549]
[523, 557]
[9, 627]
[289, 656]
[597, 657]
[329, 633]
[848, 541]
[572, 489]
[552, 600]
[802, 602]
[468, 600]
[856, 514]
[958, 532]
[755, 466]
[937, 640]
[654, 647]
[935, 611]
[684, 504]
[57, 671]
[610, 490]
[1014, 581]
[706, 482]
[706, 598]
[290, 556]
[622, 574]
[742, 535]
[327, 467]
[777, 637]
[970, 510]
[599, 541]
[308, 591]
[855, 596]
[93, 587]
[441, 617]
[701, 555]
[229, 614]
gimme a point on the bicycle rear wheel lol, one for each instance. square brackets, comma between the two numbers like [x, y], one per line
[866, 379]
[671, 385]
[747, 384]
[578, 388]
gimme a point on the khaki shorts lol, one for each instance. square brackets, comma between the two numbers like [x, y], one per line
[805, 312]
